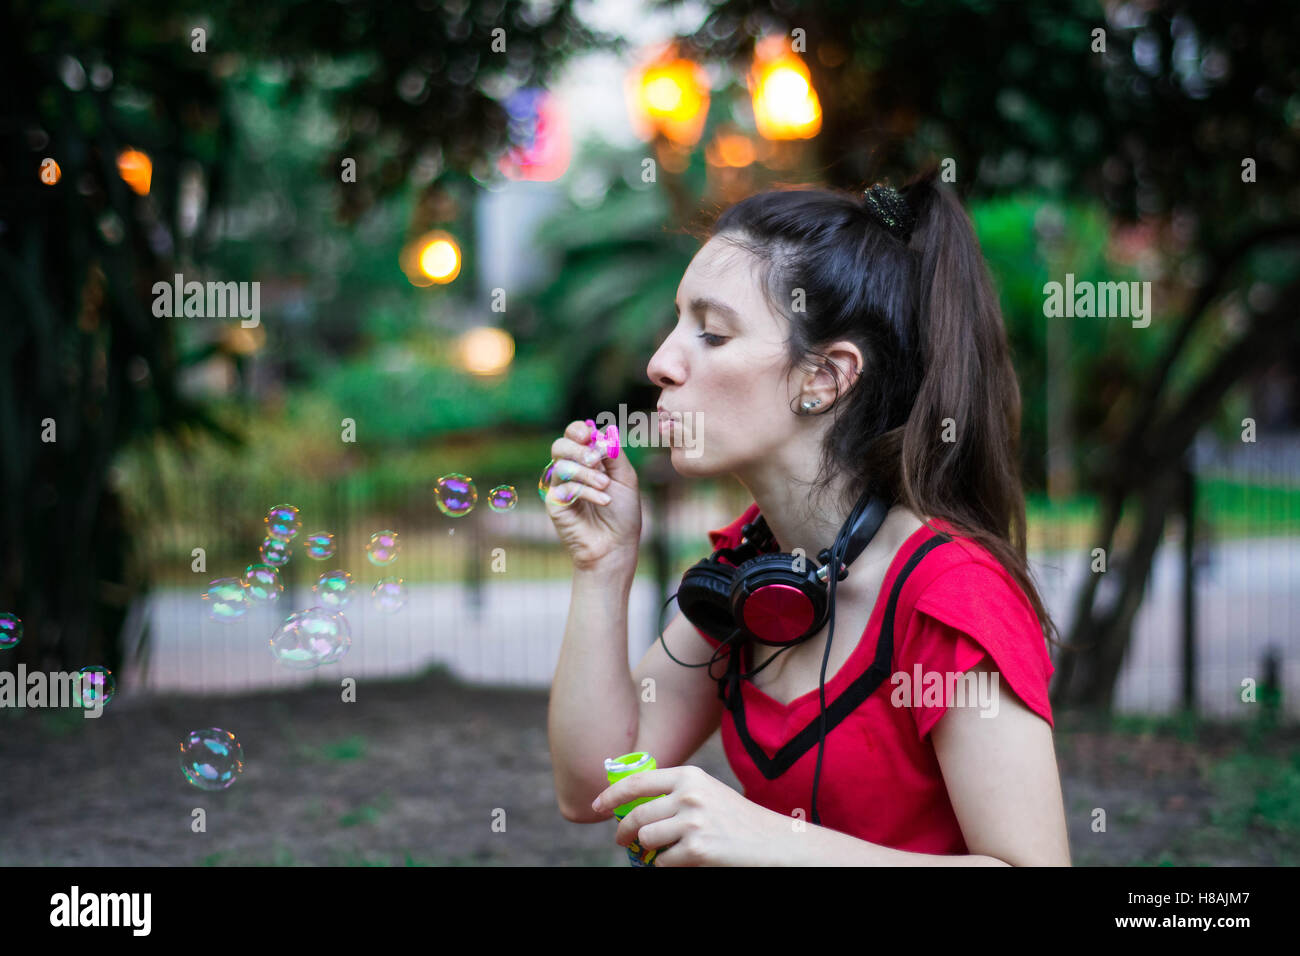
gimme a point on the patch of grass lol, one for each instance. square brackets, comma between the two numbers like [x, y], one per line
[1182, 725]
[1259, 792]
[366, 813]
[350, 748]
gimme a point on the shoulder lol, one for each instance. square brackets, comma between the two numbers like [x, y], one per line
[969, 606]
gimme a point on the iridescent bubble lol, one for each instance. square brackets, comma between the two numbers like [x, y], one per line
[226, 599]
[282, 522]
[503, 498]
[320, 545]
[11, 630]
[274, 552]
[383, 548]
[544, 482]
[342, 642]
[96, 686]
[211, 759]
[262, 584]
[389, 595]
[544, 485]
[311, 638]
[456, 495]
[334, 589]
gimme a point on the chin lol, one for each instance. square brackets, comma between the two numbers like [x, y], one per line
[696, 466]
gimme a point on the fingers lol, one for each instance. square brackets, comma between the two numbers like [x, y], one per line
[568, 470]
[568, 492]
[576, 451]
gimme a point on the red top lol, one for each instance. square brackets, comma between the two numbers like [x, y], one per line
[880, 778]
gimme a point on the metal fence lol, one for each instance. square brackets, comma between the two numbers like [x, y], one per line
[488, 593]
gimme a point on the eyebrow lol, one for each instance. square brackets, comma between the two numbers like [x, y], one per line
[702, 303]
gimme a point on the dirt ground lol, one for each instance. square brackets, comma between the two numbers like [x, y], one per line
[412, 772]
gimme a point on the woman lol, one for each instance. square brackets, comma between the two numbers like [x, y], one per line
[827, 345]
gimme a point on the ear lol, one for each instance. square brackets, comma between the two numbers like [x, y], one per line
[837, 372]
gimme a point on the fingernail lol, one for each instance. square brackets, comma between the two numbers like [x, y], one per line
[611, 440]
[595, 804]
[591, 434]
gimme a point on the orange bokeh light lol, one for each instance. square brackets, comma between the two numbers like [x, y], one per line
[668, 95]
[432, 258]
[785, 104]
[136, 169]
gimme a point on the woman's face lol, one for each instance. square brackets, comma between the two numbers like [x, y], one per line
[721, 369]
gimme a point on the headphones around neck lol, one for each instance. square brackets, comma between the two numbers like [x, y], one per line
[775, 599]
[748, 593]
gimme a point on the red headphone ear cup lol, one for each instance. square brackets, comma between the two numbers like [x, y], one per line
[705, 598]
[775, 603]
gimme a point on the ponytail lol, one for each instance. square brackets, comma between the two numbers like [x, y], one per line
[960, 450]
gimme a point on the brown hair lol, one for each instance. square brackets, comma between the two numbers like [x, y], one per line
[937, 365]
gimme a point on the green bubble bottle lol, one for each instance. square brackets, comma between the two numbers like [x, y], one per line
[616, 769]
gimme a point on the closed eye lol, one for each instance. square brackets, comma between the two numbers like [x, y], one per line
[712, 340]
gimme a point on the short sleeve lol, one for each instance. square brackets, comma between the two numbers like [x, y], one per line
[967, 613]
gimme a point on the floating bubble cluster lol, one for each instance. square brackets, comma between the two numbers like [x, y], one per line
[456, 495]
[320, 545]
[262, 584]
[311, 638]
[226, 599]
[274, 552]
[383, 547]
[282, 522]
[503, 498]
[11, 630]
[389, 595]
[334, 589]
[211, 759]
[96, 686]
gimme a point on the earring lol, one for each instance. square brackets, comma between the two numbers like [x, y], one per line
[810, 405]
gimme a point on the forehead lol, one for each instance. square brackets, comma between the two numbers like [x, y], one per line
[728, 273]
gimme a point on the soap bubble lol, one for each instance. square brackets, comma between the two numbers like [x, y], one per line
[226, 599]
[544, 482]
[310, 638]
[383, 548]
[456, 495]
[262, 583]
[389, 594]
[342, 641]
[211, 759]
[96, 686]
[274, 552]
[544, 485]
[11, 630]
[320, 545]
[282, 522]
[334, 589]
[503, 498]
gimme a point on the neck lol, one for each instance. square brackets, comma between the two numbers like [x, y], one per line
[798, 521]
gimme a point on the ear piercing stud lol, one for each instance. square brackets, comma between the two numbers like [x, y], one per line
[811, 405]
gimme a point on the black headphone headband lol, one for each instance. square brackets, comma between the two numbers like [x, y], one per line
[868, 514]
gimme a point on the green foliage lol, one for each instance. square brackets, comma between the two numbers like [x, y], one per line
[1259, 791]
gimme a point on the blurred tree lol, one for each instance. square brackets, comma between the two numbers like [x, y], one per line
[409, 89]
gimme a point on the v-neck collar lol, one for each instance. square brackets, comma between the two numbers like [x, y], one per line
[853, 665]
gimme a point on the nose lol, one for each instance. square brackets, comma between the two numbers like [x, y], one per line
[665, 366]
